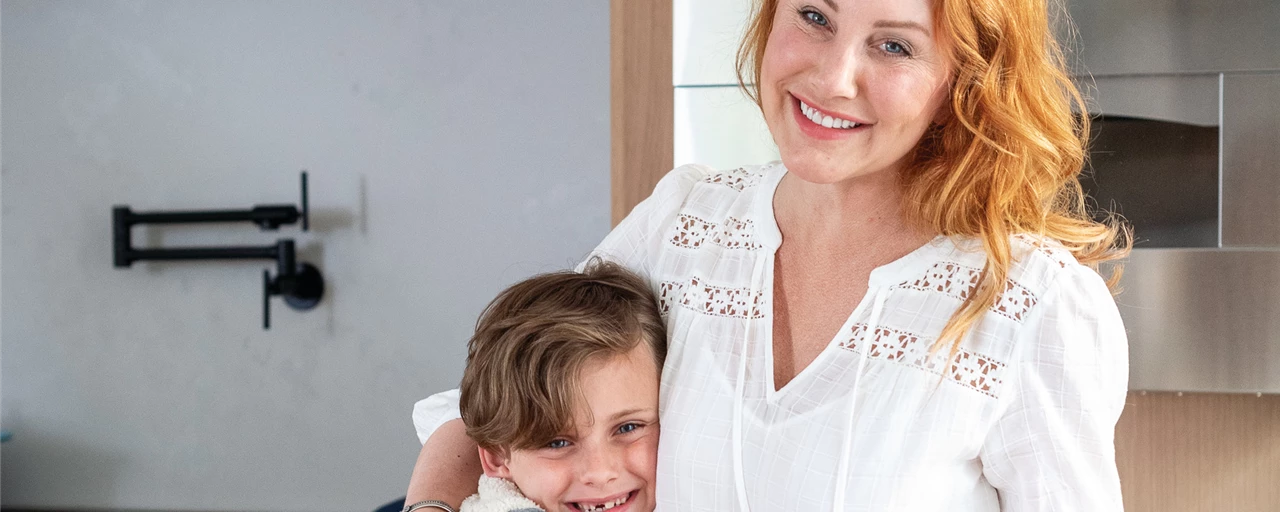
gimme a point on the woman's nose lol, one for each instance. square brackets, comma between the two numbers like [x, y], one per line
[838, 70]
[600, 465]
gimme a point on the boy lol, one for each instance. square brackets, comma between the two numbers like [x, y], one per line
[561, 393]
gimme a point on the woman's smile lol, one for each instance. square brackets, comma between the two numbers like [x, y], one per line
[822, 124]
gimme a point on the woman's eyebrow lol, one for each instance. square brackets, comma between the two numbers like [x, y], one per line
[833, 5]
[902, 24]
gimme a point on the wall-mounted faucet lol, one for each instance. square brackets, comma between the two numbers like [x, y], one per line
[300, 284]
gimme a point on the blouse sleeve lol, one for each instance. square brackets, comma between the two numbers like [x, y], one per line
[631, 244]
[433, 411]
[636, 241]
[1053, 446]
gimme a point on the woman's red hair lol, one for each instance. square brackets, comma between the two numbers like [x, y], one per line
[1006, 160]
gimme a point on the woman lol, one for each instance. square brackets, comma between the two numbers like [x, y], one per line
[905, 313]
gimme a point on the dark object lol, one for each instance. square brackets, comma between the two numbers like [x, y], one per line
[1161, 175]
[394, 506]
[301, 285]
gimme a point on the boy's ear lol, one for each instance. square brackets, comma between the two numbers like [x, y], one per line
[494, 464]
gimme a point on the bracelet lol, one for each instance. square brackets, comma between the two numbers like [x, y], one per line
[428, 503]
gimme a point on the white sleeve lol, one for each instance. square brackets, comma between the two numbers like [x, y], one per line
[634, 243]
[630, 245]
[1053, 447]
[432, 412]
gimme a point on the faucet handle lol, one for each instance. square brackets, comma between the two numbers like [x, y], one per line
[266, 299]
[306, 210]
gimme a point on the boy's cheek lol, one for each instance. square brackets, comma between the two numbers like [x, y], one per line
[644, 463]
[542, 480]
[651, 457]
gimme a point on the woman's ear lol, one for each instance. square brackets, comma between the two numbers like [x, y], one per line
[494, 464]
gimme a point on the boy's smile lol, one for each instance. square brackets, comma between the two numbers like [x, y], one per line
[608, 462]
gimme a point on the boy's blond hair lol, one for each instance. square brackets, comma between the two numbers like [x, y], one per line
[531, 343]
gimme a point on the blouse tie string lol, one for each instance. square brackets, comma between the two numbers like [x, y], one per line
[740, 395]
[864, 346]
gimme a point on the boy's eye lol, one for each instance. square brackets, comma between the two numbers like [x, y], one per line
[558, 443]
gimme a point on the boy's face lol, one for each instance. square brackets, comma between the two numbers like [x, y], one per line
[608, 462]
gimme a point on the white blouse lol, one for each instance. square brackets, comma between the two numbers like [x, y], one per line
[1023, 419]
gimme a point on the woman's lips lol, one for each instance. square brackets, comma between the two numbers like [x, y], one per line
[819, 124]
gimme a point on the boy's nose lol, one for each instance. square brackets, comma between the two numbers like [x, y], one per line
[600, 466]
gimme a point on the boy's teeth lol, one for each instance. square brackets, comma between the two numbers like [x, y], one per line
[826, 121]
[603, 506]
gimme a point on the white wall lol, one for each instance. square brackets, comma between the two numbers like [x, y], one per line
[454, 147]
[716, 124]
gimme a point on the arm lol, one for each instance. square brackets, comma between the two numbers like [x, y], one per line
[448, 467]
[1053, 447]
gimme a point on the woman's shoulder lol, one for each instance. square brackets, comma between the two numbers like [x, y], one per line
[1045, 291]
[1037, 264]
[1045, 262]
[702, 192]
[683, 180]
[690, 203]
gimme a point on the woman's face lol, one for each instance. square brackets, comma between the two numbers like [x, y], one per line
[848, 87]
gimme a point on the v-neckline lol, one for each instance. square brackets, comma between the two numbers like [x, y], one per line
[771, 236]
[772, 391]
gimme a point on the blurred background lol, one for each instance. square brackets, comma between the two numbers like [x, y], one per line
[452, 148]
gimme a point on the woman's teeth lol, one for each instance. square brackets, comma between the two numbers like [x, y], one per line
[827, 121]
[603, 506]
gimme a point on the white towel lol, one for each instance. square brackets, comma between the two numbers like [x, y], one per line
[498, 495]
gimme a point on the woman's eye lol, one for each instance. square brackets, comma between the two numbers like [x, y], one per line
[894, 47]
[815, 18]
[627, 428]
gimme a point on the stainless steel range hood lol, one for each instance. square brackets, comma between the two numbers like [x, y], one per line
[1187, 145]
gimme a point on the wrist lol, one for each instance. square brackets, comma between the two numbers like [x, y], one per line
[428, 506]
